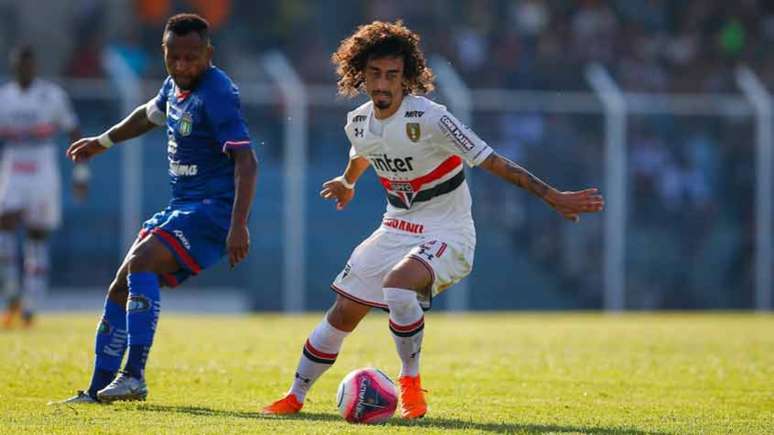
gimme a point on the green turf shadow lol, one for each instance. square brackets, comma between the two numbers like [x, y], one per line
[427, 422]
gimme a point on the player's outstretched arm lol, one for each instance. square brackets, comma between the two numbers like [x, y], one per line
[245, 176]
[342, 188]
[130, 127]
[569, 204]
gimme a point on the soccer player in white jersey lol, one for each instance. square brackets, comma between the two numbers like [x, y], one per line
[32, 113]
[426, 240]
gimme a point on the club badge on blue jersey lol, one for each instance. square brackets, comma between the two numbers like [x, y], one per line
[185, 125]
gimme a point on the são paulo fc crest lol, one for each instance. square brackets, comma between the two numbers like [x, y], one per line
[185, 125]
[412, 131]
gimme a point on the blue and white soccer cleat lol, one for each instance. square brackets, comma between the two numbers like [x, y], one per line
[123, 387]
[81, 397]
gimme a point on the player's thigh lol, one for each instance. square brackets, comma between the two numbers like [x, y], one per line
[118, 291]
[151, 255]
[13, 192]
[446, 260]
[10, 220]
[38, 234]
[410, 274]
[346, 314]
[43, 208]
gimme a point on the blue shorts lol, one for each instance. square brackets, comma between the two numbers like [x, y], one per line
[194, 232]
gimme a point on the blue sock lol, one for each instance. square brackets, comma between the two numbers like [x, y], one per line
[109, 347]
[142, 315]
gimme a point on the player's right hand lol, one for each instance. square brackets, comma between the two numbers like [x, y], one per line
[84, 149]
[335, 189]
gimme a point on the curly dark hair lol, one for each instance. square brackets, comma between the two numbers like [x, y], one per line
[381, 39]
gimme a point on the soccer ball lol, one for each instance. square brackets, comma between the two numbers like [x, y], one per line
[367, 396]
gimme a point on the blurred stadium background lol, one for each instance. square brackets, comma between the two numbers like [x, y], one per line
[657, 102]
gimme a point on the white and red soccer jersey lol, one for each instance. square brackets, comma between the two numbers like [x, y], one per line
[30, 119]
[418, 155]
[419, 160]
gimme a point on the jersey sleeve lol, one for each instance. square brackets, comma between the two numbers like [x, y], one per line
[66, 118]
[448, 133]
[349, 132]
[225, 117]
[156, 108]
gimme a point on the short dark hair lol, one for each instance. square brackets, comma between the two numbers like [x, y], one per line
[183, 24]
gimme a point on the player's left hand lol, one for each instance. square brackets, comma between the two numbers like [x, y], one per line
[571, 204]
[237, 244]
[84, 149]
[336, 190]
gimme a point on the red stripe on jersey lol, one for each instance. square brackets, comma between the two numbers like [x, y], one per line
[443, 169]
[179, 250]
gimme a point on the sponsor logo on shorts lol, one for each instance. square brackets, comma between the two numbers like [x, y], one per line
[402, 225]
[180, 236]
[137, 303]
[432, 249]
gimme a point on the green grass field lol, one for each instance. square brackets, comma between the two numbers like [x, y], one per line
[518, 373]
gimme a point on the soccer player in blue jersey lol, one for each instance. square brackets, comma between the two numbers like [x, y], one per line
[213, 172]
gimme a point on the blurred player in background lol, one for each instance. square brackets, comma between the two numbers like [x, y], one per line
[32, 113]
[213, 171]
[426, 240]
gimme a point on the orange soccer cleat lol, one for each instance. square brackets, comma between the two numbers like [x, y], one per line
[286, 406]
[412, 398]
[10, 315]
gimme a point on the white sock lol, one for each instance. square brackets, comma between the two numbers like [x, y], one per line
[319, 353]
[35, 274]
[407, 324]
[9, 268]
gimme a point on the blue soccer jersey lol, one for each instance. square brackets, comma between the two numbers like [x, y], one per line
[202, 126]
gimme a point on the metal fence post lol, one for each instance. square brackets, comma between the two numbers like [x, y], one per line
[615, 186]
[128, 84]
[760, 99]
[294, 168]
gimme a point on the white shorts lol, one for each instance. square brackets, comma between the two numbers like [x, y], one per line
[448, 258]
[33, 188]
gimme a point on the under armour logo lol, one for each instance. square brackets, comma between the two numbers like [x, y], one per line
[359, 132]
[303, 379]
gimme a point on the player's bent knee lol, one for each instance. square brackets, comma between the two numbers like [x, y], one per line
[118, 291]
[345, 314]
[409, 274]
